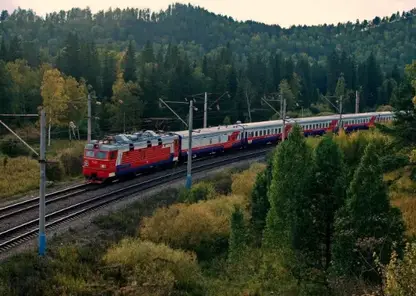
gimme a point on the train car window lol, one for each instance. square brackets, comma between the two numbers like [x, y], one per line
[149, 144]
[89, 153]
[255, 134]
[280, 130]
[159, 142]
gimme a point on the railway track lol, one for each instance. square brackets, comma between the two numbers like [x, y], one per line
[14, 236]
[30, 204]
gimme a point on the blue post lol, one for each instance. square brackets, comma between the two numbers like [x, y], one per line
[42, 244]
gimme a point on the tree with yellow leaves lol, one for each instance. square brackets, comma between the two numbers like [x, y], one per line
[64, 99]
[55, 100]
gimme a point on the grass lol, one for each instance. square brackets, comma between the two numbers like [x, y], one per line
[18, 175]
[21, 174]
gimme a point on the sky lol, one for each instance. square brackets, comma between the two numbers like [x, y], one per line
[281, 12]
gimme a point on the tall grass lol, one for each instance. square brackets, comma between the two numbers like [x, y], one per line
[21, 174]
[18, 175]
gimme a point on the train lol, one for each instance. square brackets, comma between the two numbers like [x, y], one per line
[125, 155]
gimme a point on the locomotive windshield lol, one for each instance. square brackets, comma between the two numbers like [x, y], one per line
[97, 154]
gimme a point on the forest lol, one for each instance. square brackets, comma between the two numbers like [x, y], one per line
[332, 215]
[127, 59]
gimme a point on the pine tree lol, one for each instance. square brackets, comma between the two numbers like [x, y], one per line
[16, 49]
[238, 236]
[367, 224]
[289, 220]
[3, 50]
[260, 204]
[130, 64]
[328, 190]
[109, 74]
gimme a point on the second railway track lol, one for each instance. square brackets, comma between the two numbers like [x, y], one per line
[14, 236]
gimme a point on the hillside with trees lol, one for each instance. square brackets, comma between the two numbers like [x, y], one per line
[128, 58]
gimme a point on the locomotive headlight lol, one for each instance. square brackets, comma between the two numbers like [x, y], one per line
[86, 163]
[103, 166]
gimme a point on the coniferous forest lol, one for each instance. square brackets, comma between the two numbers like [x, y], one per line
[128, 58]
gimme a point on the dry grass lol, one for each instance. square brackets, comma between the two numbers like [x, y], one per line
[19, 175]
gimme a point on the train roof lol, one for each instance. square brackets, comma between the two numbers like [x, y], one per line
[312, 119]
[211, 130]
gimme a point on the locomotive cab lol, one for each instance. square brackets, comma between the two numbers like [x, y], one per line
[99, 163]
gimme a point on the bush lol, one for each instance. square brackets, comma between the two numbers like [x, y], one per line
[54, 170]
[200, 191]
[393, 162]
[146, 268]
[71, 162]
[400, 275]
[243, 182]
[13, 147]
[202, 227]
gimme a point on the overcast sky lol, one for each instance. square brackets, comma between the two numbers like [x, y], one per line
[282, 12]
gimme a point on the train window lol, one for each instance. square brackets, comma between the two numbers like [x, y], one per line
[149, 144]
[280, 130]
[268, 132]
[159, 142]
[255, 134]
[89, 153]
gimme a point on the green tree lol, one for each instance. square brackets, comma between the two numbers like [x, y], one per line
[367, 225]
[260, 205]
[129, 63]
[238, 236]
[328, 191]
[289, 220]
[286, 93]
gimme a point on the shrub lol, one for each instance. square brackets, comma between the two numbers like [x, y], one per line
[146, 268]
[71, 162]
[393, 162]
[200, 191]
[400, 275]
[243, 182]
[54, 170]
[13, 147]
[222, 182]
[202, 227]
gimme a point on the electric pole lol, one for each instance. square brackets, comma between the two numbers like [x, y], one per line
[357, 102]
[205, 109]
[284, 119]
[42, 161]
[340, 112]
[189, 165]
[89, 119]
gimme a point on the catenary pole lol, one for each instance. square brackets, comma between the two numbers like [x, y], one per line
[89, 118]
[284, 120]
[189, 165]
[205, 109]
[42, 161]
